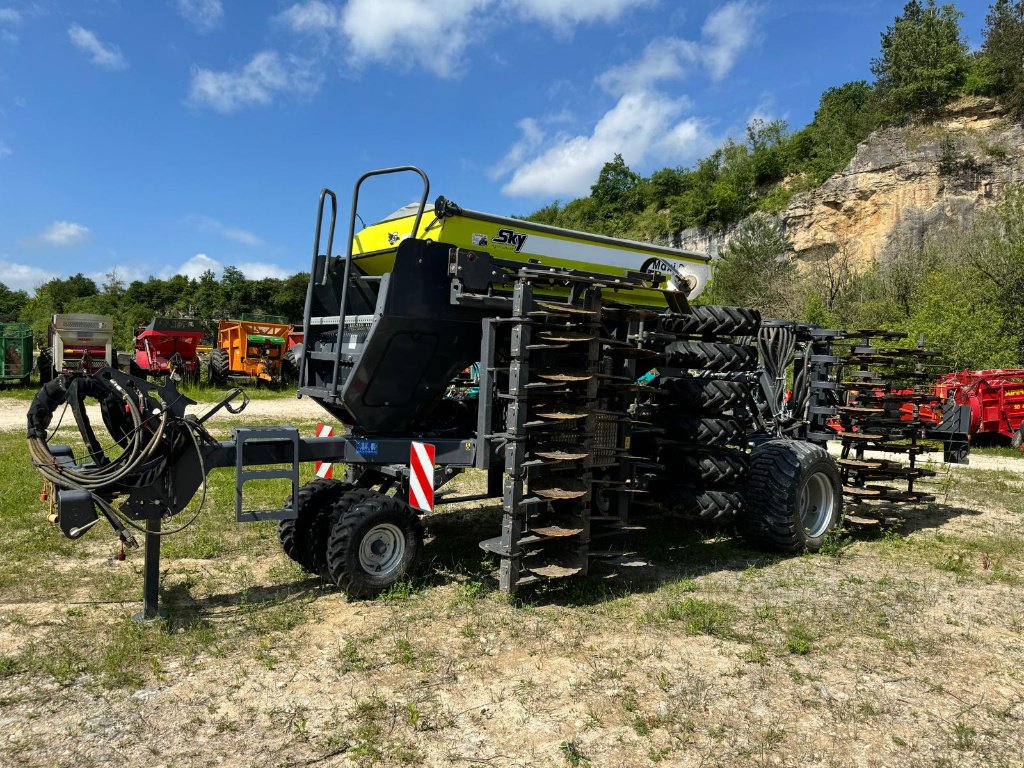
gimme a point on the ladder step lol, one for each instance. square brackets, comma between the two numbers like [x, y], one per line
[555, 571]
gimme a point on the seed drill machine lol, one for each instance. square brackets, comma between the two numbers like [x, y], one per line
[569, 368]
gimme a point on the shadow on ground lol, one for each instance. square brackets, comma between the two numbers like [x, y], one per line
[664, 551]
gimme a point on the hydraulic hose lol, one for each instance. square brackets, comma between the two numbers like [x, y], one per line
[776, 345]
[139, 443]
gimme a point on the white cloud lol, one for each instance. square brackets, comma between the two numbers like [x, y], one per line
[254, 270]
[666, 58]
[727, 31]
[257, 270]
[125, 273]
[103, 55]
[196, 266]
[311, 17]
[61, 234]
[243, 236]
[204, 15]
[644, 125]
[563, 14]
[725, 34]
[10, 20]
[640, 126]
[433, 35]
[264, 77]
[407, 32]
[532, 137]
[23, 277]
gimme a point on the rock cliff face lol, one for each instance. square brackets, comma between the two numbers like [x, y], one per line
[902, 183]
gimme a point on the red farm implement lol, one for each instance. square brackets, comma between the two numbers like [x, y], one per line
[996, 400]
[167, 347]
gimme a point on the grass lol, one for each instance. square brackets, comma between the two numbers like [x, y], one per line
[717, 652]
[201, 393]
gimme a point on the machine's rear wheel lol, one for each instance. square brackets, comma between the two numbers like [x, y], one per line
[715, 321]
[1018, 438]
[706, 430]
[794, 497]
[218, 366]
[374, 543]
[711, 356]
[696, 395]
[302, 539]
[705, 504]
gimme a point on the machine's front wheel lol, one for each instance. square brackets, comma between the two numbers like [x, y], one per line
[302, 539]
[374, 543]
[1018, 438]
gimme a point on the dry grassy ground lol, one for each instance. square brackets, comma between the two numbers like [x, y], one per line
[900, 648]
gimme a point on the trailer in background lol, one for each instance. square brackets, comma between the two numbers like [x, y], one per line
[15, 353]
[168, 347]
[79, 343]
[252, 347]
[995, 397]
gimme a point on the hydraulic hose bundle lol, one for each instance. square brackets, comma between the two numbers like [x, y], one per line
[139, 437]
[776, 345]
[148, 432]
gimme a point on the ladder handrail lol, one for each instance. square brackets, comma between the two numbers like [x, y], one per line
[324, 193]
[348, 252]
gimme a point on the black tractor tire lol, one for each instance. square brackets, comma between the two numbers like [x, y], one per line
[704, 504]
[706, 431]
[711, 356]
[793, 499]
[374, 543]
[693, 395]
[714, 468]
[302, 539]
[715, 321]
[218, 366]
[45, 365]
[289, 366]
[1018, 438]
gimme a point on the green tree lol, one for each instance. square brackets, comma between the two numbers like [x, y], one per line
[614, 183]
[755, 269]
[1003, 57]
[11, 302]
[846, 115]
[923, 63]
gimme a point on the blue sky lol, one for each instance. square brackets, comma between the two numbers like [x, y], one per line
[170, 136]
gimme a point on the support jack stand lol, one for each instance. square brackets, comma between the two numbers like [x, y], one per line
[151, 609]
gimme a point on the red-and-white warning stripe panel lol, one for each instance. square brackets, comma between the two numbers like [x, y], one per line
[324, 469]
[421, 476]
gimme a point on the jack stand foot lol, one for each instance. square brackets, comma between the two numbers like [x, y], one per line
[142, 616]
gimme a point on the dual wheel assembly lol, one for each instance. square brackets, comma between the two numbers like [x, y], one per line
[785, 495]
[357, 538]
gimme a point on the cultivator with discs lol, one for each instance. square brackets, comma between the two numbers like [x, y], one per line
[872, 398]
[569, 368]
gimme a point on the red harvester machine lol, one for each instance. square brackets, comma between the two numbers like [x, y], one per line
[996, 399]
[167, 347]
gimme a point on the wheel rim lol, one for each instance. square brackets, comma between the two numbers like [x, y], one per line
[817, 502]
[382, 549]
